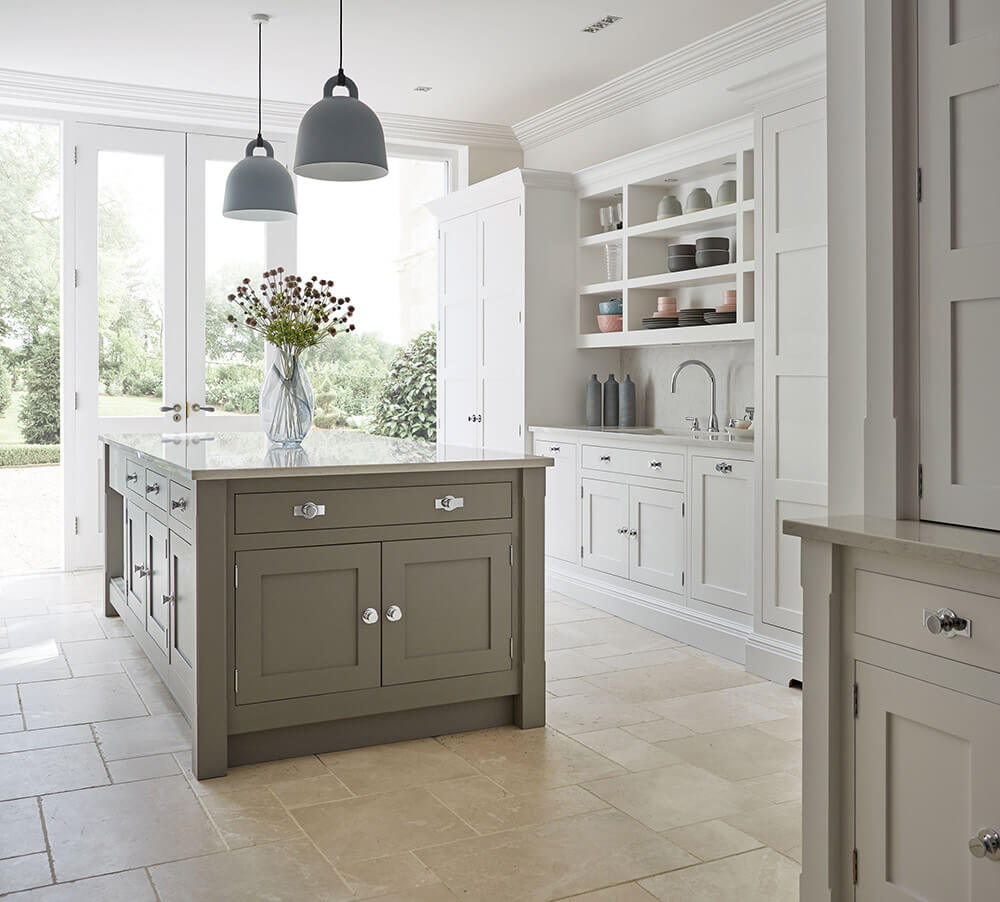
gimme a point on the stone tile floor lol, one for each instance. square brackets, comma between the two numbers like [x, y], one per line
[664, 773]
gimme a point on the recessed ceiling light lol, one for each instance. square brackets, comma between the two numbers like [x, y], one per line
[422, 89]
[601, 24]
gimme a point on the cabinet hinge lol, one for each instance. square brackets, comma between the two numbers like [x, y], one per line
[581, 491]
[854, 866]
[236, 679]
[76, 400]
[519, 427]
[76, 526]
[581, 551]
[683, 508]
[76, 154]
[920, 480]
[236, 576]
[920, 184]
[512, 555]
[682, 577]
[855, 699]
[76, 278]
[512, 648]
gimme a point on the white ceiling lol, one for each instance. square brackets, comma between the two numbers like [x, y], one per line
[486, 61]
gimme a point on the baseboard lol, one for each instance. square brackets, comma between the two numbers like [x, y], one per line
[761, 655]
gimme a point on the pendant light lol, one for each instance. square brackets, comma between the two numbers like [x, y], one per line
[259, 188]
[340, 138]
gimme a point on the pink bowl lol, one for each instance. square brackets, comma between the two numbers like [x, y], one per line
[726, 308]
[609, 322]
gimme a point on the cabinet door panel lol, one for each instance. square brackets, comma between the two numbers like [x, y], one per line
[298, 621]
[925, 784]
[157, 553]
[722, 532]
[562, 494]
[455, 599]
[656, 552]
[184, 621]
[605, 524]
[135, 544]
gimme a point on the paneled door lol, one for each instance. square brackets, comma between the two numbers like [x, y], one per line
[925, 785]
[446, 608]
[959, 132]
[307, 621]
[158, 610]
[656, 537]
[562, 501]
[792, 411]
[605, 526]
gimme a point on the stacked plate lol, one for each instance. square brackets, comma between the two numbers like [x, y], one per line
[716, 319]
[693, 316]
[659, 322]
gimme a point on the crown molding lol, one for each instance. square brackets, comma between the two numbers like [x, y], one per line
[757, 36]
[90, 97]
[497, 189]
[805, 75]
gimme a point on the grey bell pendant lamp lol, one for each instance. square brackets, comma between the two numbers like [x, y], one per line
[340, 138]
[259, 188]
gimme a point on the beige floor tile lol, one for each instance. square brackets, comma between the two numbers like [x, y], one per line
[572, 686]
[568, 663]
[466, 791]
[138, 737]
[774, 696]
[624, 636]
[9, 702]
[776, 788]
[20, 828]
[661, 730]
[93, 651]
[600, 711]
[44, 739]
[97, 668]
[674, 796]
[759, 876]
[514, 811]
[33, 664]
[11, 723]
[255, 776]
[127, 825]
[147, 768]
[712, 839]
[635, 660]
[736, 754]
[549, 861]
[624, 892]
[126, 886]
[397, 765]
[628, 750]
[377, 825]
[530, 760]
[661, 681]
[310, 791]
[42, 771]
[403, 873]
[780, 826]
[279, 872]
[788, 728]
[70, 627]
[557, 611]
[795, 853]
[251, 817]
[24, 872]
[150, 687]
[708, 712]
[437, 892]
[113, 627]
[84, 700]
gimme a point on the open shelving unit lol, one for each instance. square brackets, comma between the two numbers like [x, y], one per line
[639, 181]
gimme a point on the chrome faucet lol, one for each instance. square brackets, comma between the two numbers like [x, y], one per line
[713, 423]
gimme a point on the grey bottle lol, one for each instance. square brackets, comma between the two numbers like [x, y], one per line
[594, 401]
[611, 401]
[626, 402]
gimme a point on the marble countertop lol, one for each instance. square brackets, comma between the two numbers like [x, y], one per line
[336, 452]
[645, 435]
[977, 549]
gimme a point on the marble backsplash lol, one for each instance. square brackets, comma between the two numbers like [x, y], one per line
[651, 369]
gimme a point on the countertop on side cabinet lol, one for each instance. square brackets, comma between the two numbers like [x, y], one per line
[245, 455]
[642, 436]
[977, 549]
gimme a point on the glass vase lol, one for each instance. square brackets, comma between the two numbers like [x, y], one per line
[286, 400]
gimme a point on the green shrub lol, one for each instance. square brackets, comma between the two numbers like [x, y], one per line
[5, 389]
[134, 383]
[406, 406]
[328, 418]
[234, 386]
[39, 414]
[28, 455]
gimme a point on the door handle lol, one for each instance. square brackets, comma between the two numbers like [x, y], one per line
[196, 407]
[171, 408]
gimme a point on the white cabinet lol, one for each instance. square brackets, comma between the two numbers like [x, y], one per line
[925, 785]
[562, 496]
[605, 526]
[722, 532]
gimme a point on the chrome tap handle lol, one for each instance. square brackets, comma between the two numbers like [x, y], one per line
[695, 425]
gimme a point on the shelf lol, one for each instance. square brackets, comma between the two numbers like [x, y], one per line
[602, 238]
[725, 273]
[640, 338]
[689, 222]
[602, 287]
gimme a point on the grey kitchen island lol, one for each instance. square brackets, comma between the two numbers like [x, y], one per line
[358, 590]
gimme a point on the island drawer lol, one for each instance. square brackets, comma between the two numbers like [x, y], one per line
[182, 503]
[896, 610]
[632, 462]
[156, 489]
[333, 509]
[134, 476]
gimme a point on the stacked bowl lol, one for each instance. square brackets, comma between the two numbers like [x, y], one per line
[609, 315]
[665, 316]
[726, 311]
[711, 251]
[681, 257]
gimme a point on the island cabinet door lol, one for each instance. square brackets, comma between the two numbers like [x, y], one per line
[183, 621]
[307, 621]
[158, 556]
[135, 564]
[926, 788]
[446, 608]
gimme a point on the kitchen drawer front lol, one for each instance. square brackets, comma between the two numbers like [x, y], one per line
[156, 489]
[182, 503]
[664, 464]
[116, 469]
[892, 608]
[135, 475]
[334, 509]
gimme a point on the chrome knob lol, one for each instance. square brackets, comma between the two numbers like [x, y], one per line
[309, 510]
[723, 467]
[606, 458]
[393, 613]
[132, 477]
[944, 621]
[656, 464]
[985, 844]
[633, 533]
[554, 449]
[153, 489]
[369, 616]
[178, 504]
[141, 569]
[623, 531]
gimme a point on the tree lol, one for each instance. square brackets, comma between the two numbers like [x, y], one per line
[5, 389]
[407, 403]
[39, 414]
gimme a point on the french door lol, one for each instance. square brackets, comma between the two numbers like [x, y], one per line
[155, 260]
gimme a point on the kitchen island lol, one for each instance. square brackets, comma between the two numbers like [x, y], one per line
[357, 590]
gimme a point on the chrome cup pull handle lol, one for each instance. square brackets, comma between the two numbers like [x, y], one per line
[448, 503]
[309, 510]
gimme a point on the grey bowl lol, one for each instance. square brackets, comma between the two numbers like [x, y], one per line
[712, 244]
[711, 258]
[680, 264]
[681, 250]
[609, 308]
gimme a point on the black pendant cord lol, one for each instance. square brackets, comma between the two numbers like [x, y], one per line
[260, 82]
[340, 72]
